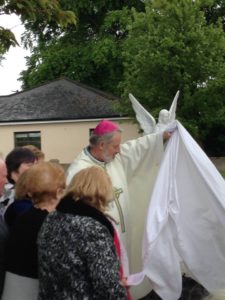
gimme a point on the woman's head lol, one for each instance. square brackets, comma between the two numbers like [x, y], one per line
[18, 161]
[40, 156]
[93, 186]
[45, 182]
[21, 189]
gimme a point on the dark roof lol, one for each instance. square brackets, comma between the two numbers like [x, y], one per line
[61, 99]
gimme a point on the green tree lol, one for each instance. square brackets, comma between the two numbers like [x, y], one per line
[215, 11]
[90, 53]
[48, 14]
[170, 46]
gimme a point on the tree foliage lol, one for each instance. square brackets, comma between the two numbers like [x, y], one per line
[214, 11]
[46, 13]
[171, 46]
[149, 48]
[90, 53]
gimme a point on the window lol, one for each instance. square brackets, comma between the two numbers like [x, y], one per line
[27, 138]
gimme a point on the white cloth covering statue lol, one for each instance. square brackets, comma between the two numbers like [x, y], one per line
[185, 225]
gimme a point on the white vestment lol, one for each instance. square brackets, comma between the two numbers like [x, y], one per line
[132, 172]
[186, 221]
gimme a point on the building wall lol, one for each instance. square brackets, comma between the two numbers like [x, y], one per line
[64, 141]
[61, 141]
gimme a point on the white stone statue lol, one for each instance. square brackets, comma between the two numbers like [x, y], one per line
[147, 121]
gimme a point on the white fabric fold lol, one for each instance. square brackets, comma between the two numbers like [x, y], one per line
[186, 221]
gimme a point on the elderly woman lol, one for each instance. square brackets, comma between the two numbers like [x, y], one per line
[45, 183]
[77, 255]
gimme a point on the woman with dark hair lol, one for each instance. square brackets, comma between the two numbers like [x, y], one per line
[22, 201]
[77, 254]
[40, 156]
[17, 161]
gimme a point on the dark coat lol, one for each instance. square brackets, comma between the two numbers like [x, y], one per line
[16, 209]
[21, 262]
[21, 250]
[77, 256]
[3, 240]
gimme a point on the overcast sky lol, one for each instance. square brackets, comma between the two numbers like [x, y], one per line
[15, 58]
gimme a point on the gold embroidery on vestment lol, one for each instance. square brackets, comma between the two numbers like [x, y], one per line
[119, 208]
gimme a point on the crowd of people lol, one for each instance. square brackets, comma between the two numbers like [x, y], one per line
[76, 235]
[57, 242]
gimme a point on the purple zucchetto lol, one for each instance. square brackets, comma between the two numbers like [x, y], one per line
[105, 126]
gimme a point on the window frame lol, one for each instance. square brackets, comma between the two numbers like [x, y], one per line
[27, 139]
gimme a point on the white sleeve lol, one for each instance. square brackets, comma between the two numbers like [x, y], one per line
[141, 153]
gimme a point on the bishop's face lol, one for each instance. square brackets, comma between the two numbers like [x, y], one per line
[110, 149]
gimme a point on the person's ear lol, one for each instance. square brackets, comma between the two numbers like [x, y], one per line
[101, 145]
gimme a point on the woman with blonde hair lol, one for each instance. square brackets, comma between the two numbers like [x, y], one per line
[77, 255]
[45, 183]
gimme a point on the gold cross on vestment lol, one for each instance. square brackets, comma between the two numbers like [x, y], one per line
[119, 191]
